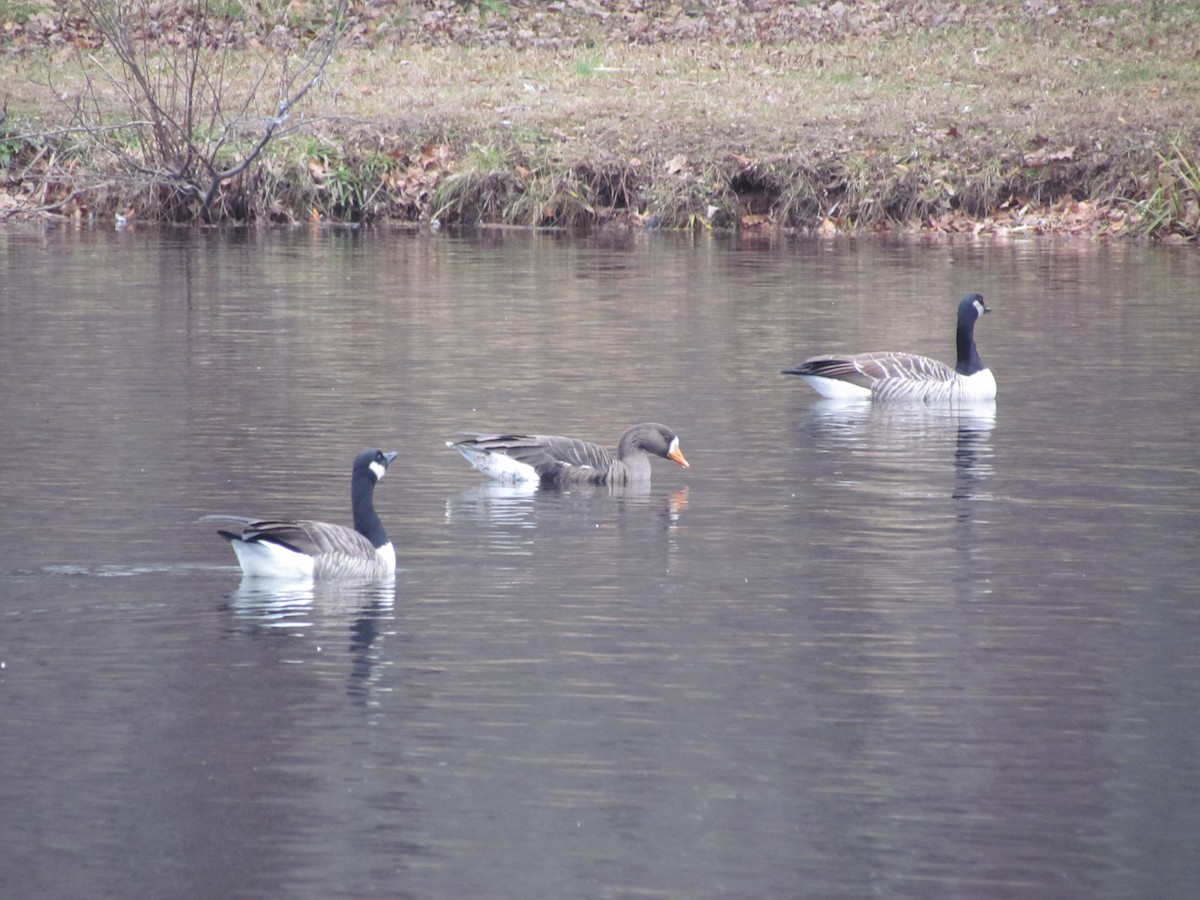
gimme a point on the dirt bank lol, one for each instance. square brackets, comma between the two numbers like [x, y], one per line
[1007, 117]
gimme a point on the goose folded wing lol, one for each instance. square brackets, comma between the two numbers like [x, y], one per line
[869, 369]
[311, 538]
[837, 368]
[568, 451]
[546, 453]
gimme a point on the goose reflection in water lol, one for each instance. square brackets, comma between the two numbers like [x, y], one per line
[973, 452]
[909, 433]
[332, 610]
[527, 519]
[498, 503]
[285, 603]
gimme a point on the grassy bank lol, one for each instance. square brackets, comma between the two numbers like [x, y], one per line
[1008, 117]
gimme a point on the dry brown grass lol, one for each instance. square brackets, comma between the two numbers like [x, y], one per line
[921, 113]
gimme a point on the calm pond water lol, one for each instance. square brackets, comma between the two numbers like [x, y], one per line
[850, 652]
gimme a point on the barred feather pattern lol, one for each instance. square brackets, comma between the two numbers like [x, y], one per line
[896, 377]
[908, 377]
[327, 549]
[555, 459]
[550, 457]
[303, 548]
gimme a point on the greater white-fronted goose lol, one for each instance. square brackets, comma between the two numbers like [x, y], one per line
[320, 550]
[907, 376]
[563, 461]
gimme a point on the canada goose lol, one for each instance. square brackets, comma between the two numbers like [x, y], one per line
[906, 376]
[566, 461]
[320, 550]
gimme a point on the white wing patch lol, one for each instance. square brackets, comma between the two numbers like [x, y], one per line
[499, 466]
[835, 389]
[266, 559]
[898, 377]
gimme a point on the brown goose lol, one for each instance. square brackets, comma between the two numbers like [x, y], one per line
[906, 376]
[551, 459]
[320, 550]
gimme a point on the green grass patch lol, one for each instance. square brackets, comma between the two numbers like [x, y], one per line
[482, 187]
[19, 12]
[1173, 206]
[588, 66]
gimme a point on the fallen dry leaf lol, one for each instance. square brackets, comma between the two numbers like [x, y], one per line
[676, 164]
[1044, 157]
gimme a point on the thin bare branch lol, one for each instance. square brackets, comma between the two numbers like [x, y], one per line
[187, 126]
[80, 129]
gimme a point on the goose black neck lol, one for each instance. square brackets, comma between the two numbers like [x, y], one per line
[362, 501]
[968, 356]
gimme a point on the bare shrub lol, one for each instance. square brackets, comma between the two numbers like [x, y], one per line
[201, 100]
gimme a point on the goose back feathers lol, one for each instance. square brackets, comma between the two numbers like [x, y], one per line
[907, 377]
[553, 459]
[304, 548]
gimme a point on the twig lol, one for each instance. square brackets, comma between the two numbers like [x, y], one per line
[57, 204]
[81, 129]
[180, 122]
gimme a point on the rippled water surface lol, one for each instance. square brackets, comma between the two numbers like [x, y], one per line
[850, 652]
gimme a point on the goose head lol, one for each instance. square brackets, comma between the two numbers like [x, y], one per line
[654, 438]
[374, 463]
[971, 307]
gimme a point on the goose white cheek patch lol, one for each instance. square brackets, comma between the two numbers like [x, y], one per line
[379, 470]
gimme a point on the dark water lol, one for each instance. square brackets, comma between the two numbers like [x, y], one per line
[850, 652]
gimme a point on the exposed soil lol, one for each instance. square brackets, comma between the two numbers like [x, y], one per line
[1008, 117]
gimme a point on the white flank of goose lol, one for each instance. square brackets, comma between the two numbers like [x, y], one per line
[320, 550]
[907, 377]
[551, 459]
